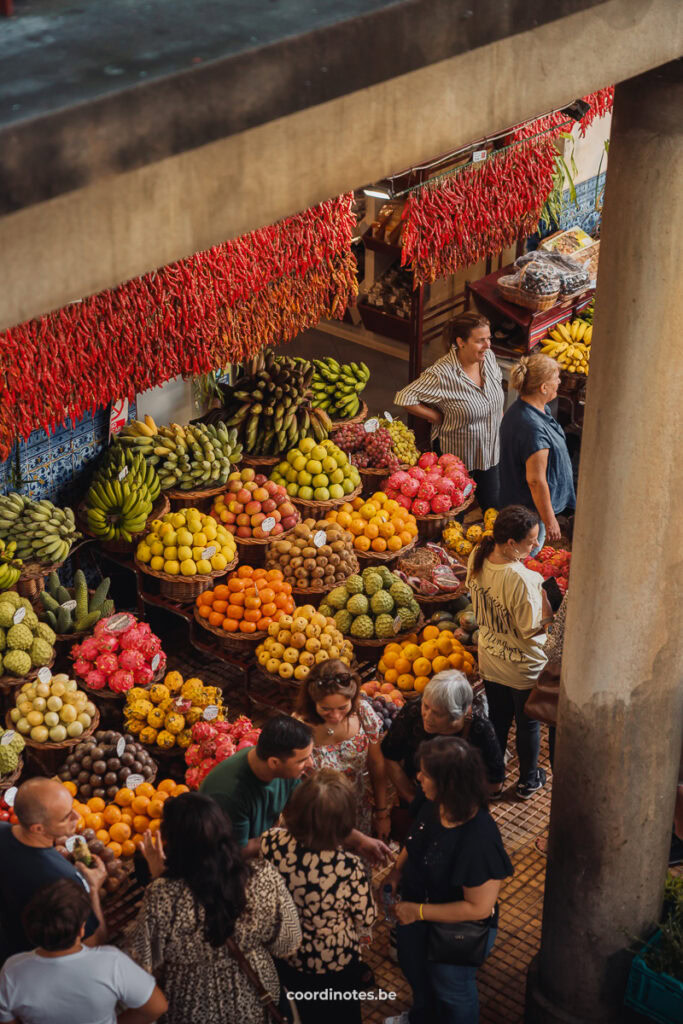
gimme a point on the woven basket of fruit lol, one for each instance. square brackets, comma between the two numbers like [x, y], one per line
[184, 589]
[318, 509]
[193, 499]
[64, 744]
[32, 579]
[108, 696]
[317, 476]
[100, 764]
[363, 646]
[7, 781]
[360, 416]
[432, 525]
[246, 604]
[9, 681]
[230, 638]
[314, 558]
[261, 462]
[371, 557]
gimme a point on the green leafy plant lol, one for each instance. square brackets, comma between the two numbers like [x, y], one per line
[667, 956]
[563, 178]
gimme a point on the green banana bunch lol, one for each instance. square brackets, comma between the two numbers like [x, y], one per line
[121, 495]
[195, 457]
[336, 387]
[10, 568]
[41, 532]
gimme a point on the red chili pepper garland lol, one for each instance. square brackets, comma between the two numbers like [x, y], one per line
[216, 307]
[458, 221]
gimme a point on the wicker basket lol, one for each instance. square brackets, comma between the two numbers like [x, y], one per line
[318, 509]
[371, 649]
[185, 589]
[262, 463]
[360, 417]
[160, 507]
[200, 499]
[108, 696]
[32, 579]
[384, 557]
[240, 640]
[426, 601]
[521, 297]
[65, 744]
[8, 781]
[431, 526]
[371, 477]
[7, 682]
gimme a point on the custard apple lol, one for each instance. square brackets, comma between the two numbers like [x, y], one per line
[414, 607]
[387, 576]
[384, 626]
[358, 604]
[407, 617]
[362, 626]
[382, 602]
[373, 583]
[11, 597]
[354, 584]
[343, 620]
[8, 760]
[338, 597]
[45, 632]
[19, 638]
[401, 593]
[41, 652]
[326, 609]
[6, 612]
[16, 744]
[3, 640]
[16, 663]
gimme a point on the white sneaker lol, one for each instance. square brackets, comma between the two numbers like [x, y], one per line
[401, 1019]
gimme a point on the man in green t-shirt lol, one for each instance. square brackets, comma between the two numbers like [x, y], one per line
[254, 785]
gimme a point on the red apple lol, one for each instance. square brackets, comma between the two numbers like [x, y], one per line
[268, 505]
[271, 487]
[288, 522]
[244, 531]
[252, 507]
[244, 495]
[277, 529]
[242, 520]
[287, 509]
[257, 518]
[260, 494]
[248, 473]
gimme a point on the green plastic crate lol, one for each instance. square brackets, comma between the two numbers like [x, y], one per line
[657, 996]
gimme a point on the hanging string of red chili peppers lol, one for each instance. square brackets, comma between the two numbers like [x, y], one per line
[216, 307]
[458, 220]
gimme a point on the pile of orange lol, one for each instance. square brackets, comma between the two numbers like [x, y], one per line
[248, 601]
[377, 524]
[122, 824]
[411, 664]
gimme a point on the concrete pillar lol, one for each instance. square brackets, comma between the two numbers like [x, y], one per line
[620, 717]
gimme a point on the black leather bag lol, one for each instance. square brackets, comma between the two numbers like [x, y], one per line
[461, 943]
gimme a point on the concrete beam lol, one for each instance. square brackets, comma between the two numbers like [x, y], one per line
[127, 224]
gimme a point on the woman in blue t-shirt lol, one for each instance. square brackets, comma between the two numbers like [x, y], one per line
[535, 466]
[449, 871]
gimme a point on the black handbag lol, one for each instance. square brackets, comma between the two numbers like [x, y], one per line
[461, 943]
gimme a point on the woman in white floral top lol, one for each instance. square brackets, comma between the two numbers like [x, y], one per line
[346, 736]
[331, 891]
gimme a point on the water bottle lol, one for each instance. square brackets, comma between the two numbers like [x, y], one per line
[388, 900]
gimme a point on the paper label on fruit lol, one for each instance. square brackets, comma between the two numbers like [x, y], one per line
[398, 624]
[10, 796]
[370, 426]
[210, 712]
[320, 538]
[119, 623]
[7, 737]
[268, 524]
[467, 490]
[69, 606]
[19, 616]
[45, 674]
[478, 155]
[388, 416]
[70, 842]
[155, 662]
[123, 474]
[135, 780]
[182, 705]
[209, 552]
[121, 747]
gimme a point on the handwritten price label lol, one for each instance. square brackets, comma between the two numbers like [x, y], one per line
[69, 606]
[120, 747]
[45, 675]
[388, 416]
[7, 737]
[209, 552]
[134, 780]
[10, 796]
[19, 616]
[123, 474]
[119, 623]
[320, 538]
[398, 624]
[268, 524]
[210, 712]
[370, 426]
[478, 155]
[156, 661]
[467, 490]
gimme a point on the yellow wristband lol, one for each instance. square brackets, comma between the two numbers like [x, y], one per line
[421, 914]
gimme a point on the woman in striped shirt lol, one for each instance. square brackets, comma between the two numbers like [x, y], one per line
[461, 395]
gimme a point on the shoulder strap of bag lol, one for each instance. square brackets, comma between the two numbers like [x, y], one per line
[265, 998]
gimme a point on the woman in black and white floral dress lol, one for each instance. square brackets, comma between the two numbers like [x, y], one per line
[331, 891]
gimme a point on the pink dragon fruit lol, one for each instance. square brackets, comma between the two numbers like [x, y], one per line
[410, 487]
[131, 660]
[107, 663]
[193, 777]
[417, 473]
[150, 645]
[427, 459]
[88, 649]
[421, 507]
[246, 742]
[95, 679]
[143, 675]
[434, 472]
[396, 479]
[392, 493]
[121, 681]
[82, 667]
[107, 642]
[404, 500]
[206, 766]
[202, 731]
[193, 755]
[445, 486]
[441, 503]
[459, 478]
[224, 748]
[427, 490]
[132, 638]
[457, 498]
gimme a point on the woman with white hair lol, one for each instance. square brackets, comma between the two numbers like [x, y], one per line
[444, 710]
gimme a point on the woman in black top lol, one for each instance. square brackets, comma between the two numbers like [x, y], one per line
[449, 870]
[444, 710]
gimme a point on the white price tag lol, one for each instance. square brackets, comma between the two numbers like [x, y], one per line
[19, 616]
[70, 842]
[210, 712]
[120, 747]
[45, 674]
[134, 780]
[119, 623]
[69, 606]
[7, 737]
[388, 416]
[479, 154]
[370, 426]
[320, 538]
[209, 552]
[123, 474]
[398, 624]
[156, 660]
[268, 524]
[467, 490]
[10, 795]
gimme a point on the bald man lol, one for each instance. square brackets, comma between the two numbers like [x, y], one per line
[29, 861]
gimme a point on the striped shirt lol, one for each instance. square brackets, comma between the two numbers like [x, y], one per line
[471, 414]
